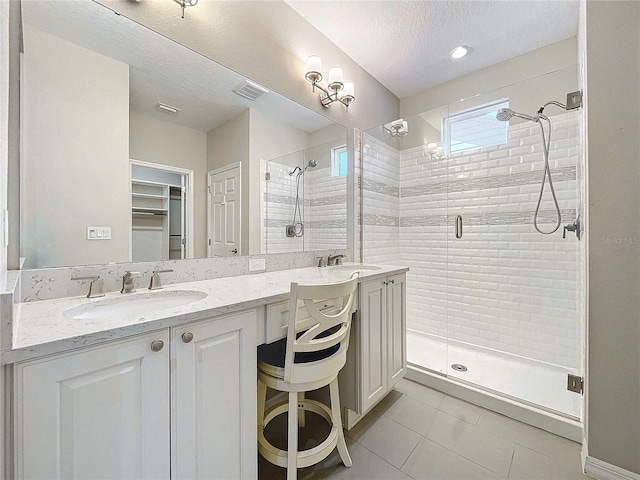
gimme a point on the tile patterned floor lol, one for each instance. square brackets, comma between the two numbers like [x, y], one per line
[419, 433]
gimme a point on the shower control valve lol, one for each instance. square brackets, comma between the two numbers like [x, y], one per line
[572, 227]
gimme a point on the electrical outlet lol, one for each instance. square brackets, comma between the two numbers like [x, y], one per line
[257, 264]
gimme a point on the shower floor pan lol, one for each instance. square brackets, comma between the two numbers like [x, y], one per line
[538, 384]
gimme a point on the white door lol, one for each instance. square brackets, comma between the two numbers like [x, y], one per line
[213, 404]
[98, 413]
[373, 310]
[224, 211]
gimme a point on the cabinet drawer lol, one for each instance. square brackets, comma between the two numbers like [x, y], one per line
[277, 318]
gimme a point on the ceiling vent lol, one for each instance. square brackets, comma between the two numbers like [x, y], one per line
[163, 107]
[250, 90]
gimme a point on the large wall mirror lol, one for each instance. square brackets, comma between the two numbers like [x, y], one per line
[135, 148]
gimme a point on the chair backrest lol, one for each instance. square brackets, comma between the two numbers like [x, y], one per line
[323, 337]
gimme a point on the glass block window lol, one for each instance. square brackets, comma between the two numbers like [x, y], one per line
[339, 161]
[475, 128]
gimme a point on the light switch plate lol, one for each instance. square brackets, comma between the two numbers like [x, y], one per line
[257, 264]
[98, 233]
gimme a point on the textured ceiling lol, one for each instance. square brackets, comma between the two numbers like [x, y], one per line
[406, 44]
[161, 70]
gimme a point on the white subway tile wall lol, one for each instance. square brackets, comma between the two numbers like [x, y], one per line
[502, 285]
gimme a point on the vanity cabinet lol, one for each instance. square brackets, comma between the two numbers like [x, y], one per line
[176, 403]
[377, 350]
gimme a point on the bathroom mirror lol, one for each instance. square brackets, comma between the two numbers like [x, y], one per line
[136, 148]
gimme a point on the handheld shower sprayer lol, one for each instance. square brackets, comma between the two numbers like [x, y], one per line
[296, 228]
[504, 115]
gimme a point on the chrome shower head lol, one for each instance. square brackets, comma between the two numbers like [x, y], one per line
[505, 114]
[312, 164]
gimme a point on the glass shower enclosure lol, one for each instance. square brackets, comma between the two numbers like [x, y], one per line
[491, 302]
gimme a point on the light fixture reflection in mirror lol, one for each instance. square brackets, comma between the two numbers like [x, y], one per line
[93, 83]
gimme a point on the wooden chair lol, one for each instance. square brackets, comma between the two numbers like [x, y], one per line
[309, 358]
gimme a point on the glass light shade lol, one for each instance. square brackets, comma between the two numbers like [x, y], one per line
[348, 90]
[335, 79]
[314, 64]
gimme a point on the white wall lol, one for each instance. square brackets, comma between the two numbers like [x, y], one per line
[543, 60]
[613, 230]
[155, 141]
[65, 89]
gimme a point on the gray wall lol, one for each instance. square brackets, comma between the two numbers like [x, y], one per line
[613, 231]
[63, 88]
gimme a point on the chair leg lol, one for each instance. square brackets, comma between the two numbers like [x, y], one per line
[262, 399]
[337, 422]
[301, 414]
[292, 446]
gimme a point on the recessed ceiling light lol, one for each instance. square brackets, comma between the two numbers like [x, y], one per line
[459, 52]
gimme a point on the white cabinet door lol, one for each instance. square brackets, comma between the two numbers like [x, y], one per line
[373, 371]
[396, 329]
[99, 413]
[214, 399]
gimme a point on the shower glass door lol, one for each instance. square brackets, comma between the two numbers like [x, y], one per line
[513, 319]
[490, 301]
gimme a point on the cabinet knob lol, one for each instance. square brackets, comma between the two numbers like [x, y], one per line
[187, 337]
[157, 345]
[392, 281]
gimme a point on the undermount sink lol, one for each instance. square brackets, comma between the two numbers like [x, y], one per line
[355, 267]
[134, 304]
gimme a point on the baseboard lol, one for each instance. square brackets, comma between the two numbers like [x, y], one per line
[605, 471]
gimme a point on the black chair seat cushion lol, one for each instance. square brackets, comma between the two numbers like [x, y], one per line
[274, 353]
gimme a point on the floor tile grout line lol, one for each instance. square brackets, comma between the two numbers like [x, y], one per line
[422, 437]
[447, 448]
[385, 461]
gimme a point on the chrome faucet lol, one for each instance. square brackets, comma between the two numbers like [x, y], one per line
[335, 259]
[156, 283]
[129, 282]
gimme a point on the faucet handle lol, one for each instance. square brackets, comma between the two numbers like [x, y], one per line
[320, 261]
[155, 282]
[96, 287]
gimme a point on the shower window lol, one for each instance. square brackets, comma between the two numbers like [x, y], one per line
[474, 128]
[339, 161]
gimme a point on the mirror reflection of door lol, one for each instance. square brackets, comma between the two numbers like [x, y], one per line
[159, 212]
[224, 211]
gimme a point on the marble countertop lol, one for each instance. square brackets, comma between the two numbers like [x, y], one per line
[40, 328]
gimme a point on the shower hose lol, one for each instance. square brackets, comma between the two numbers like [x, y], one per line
[546, 143]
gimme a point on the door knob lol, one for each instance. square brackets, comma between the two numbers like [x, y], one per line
[157, 345]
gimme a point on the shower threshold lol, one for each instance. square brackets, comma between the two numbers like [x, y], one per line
[518, 410]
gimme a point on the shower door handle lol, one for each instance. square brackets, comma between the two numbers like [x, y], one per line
[459, 226]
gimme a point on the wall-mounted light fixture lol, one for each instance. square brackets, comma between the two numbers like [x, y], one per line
[337, 89]
[397, 128]
[435, 151]
[186, 3]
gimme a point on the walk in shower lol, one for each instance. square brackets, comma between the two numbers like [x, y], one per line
[491, 302]
[303, 199]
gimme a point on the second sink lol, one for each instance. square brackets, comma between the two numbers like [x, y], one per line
[134, 304]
